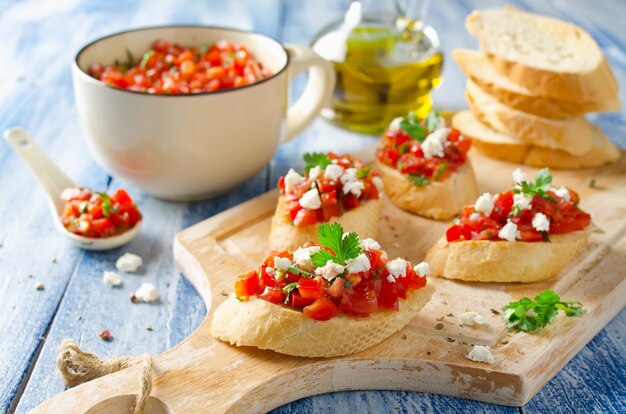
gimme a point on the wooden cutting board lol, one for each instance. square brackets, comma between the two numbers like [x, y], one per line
[204, 375]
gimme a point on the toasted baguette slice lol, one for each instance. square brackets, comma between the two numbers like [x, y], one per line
[285, 236]
[503, 261]
[268, 326]
[476, 66]
[547, 56]
[503, 147]
[573, 135]
[439, 200]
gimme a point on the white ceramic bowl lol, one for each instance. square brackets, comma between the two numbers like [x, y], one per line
[197, 145]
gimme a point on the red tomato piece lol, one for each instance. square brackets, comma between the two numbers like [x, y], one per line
[311, 288]
[273, 294]
[322, 309]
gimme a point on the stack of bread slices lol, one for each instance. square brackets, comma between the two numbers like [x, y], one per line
[529, 88]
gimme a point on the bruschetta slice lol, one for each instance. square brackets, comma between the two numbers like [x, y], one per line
[333, 188]
[336, 298]
[526, 234]
[424, 167]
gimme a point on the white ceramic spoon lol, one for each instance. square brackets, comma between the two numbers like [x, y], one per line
[54, 181]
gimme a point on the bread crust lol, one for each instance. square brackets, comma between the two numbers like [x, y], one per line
[593, 85]
[503, 261]
[285, 236]
[503, 147]
[478, 68]
[285, 330]
[573, 135]
[439, 200]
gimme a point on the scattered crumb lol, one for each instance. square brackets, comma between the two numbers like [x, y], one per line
[439, 319]
[30, 276]
[495, 312]
[54, 259]
[147, 293]
[395, 244]
[404, 336]
[79, 318]
[224, 293]
[471, 319]
[105, 335]
[149, 328]
[111, 279]
[591, 182]
[39, 286]
[481, 353]
[449, 339]
[128, 263]
[439, 326]
[450, 315]
[445, 303]
[392, 227]
[428, 353]
[505, 341]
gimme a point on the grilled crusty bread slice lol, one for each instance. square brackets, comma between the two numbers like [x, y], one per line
[550, 57]
[439, 200]
[285, 236]
[573, 135]
[504, 261]
[478, 68]
[268, 326]
[503, 147]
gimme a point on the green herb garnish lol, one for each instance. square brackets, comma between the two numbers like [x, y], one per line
[288, 289]
[528, 315]
[130, 59]
[332, 236]
[146, 58]
[298, 271]
[315, 159]
[412, 126]
[418, 180]
[433, 121]
[363, 172]
[441, 169]
[83, 207]
[543, 178]
[106, 203]
[545, 235]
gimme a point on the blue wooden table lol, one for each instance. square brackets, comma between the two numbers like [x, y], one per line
[37, 41]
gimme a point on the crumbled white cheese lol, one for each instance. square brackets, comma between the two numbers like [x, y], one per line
[422, 269]
[391, 279]
[562, 192]
[311, 200]
[433, 145]
[519, 176]
[359, 264]
[292, 179]
[541, 222]
[378, 183]
[395, 124]
[484, 204]
[474, 217]
[302, 256]
[333, 172]
[471, 319]
[354, 187]
[146, 293]
[370, 244]
[349, 175]
[111, 279]
[481, 353]
[281, 263]
[522, 201]
[508, 232]
[128, 262]
[397, 267]
[330, 270]
[270, 270]
[315, 172]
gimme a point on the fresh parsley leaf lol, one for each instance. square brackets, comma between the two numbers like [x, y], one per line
[441, 168]
[288, 289]
[106, 203]
[412, 126]
[363, 172]
[528, 315]
[298, 271]
[344, 246]
[418, 180]
[146, 58]
[433, 121]
[543, 178]
[313, 159]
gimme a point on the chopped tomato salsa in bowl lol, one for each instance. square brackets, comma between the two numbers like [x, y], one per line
[425, 150]
[531, 211]
[342, 275]
[331, 185]
[98, 215]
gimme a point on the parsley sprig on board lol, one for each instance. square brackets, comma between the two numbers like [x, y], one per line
[315, 159]
[345, 246]
[543, 178]
[528, 315]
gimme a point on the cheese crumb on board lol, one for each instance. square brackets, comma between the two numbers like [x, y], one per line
[481, 353]
[111, 279]
[471, 318]
[147, 292]
[128, 263]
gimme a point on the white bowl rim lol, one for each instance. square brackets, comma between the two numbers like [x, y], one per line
[86, 76]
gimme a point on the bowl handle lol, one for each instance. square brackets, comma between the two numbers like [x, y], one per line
[318, 89]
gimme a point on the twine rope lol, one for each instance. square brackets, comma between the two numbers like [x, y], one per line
[77, 366]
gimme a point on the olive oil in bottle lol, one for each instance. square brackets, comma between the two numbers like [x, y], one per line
[386, 64]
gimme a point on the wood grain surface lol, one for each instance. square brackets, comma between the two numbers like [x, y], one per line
[38, 39]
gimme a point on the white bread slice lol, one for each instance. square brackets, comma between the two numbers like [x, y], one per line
[503, 147]
[285, 236]
[282, 329]
[547, 56]
[476, 66]
[503, 261]
[439, 200]
[573, 135]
